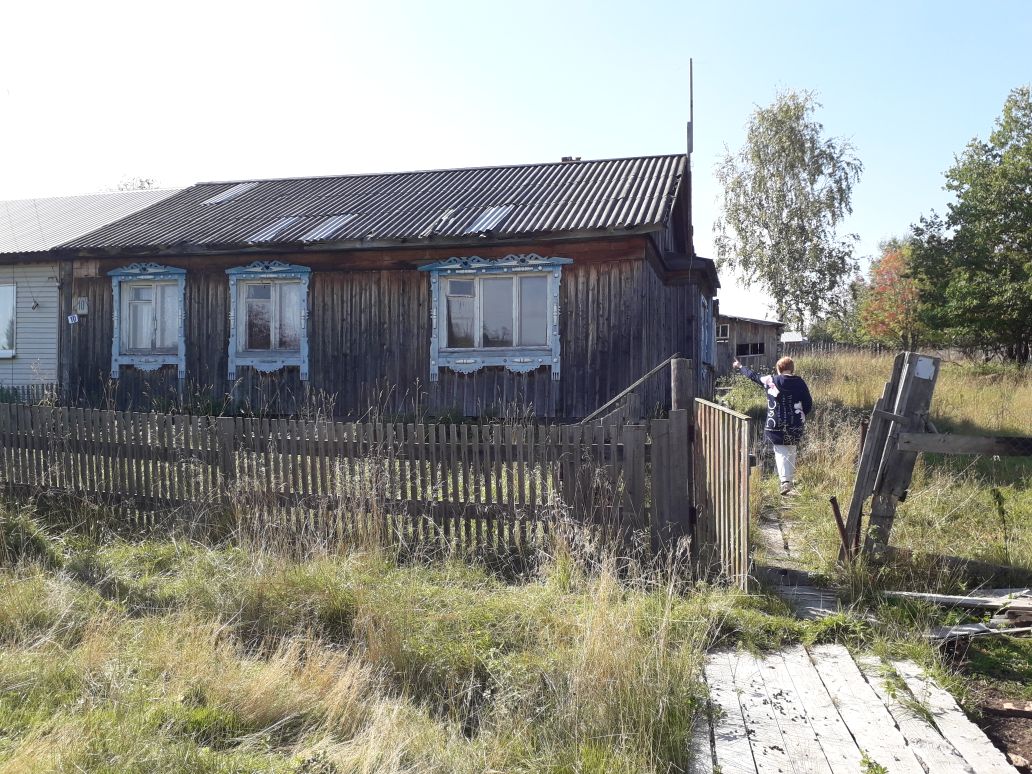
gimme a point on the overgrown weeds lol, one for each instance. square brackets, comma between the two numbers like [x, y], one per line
[168, 654]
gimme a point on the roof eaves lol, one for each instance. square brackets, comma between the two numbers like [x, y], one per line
[187, 248]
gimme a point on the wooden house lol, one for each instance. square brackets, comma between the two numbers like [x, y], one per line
[29, 275]
[755, 343]
[538, 289]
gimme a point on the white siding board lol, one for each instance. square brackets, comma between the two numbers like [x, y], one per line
[35, 360]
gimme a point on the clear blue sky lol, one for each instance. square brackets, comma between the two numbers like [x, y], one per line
[210, 91]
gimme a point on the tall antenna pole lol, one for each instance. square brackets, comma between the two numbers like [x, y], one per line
[691, 106]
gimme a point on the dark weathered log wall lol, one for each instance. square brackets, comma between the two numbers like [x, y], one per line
[369, 339]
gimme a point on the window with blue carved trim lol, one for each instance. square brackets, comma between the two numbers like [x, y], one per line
[501, 312]
[269, 317]
[148, 319]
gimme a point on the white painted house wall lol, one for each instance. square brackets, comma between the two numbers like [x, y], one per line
[35, 325]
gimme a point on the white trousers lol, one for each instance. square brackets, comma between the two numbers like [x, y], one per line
[785, 459]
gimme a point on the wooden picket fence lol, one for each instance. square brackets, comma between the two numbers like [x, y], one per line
[474, 485]
[721, 481]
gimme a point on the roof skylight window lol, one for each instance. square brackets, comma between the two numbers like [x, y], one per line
[230, 193]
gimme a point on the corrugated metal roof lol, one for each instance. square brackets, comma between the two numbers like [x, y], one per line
[604, 196]
[30, 225]
[750, 319]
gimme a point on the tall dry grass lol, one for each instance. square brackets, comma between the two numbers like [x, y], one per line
[951, 508]
[172, 655]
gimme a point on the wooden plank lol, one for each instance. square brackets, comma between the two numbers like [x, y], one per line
[106, 432]
[967, 601]
[634, 472]
[870, 455]
[1009, 709]
[744, 569]
[488, 471]
[497, 468]
[769, 746]
[677, 482]
[130, 472]
[867, 718]
[801, 743]
[444, 485]
[833, 736]
[894, 476]
[5, 443]
[520, 477]
[339, 433]
[1002, 446]
[464, 462]
[934, 752]
[171, 466]
[732, 750]
[967, 738]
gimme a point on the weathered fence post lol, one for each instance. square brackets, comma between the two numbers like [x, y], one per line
[681, 384]
[682, 434]
[632, 406]
[224, 439]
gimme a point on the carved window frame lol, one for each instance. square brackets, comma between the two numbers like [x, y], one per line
[146, 361]
[515, 359]
[273, 360]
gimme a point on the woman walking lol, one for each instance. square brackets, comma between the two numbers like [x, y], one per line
[788, 403]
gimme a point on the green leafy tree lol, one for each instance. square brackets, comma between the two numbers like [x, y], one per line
[784, 195]
[889, 311]
[974, 269]
[841, 322]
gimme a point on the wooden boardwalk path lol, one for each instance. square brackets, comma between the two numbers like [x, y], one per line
[810, 710]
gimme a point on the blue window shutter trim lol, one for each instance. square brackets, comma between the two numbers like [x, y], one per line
[516, 359]
[146, 362]
[275, 360]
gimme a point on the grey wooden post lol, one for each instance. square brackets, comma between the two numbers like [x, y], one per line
[681, 383]
[682, 415]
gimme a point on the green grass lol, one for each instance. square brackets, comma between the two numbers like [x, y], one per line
[164, 655]
[170, 655]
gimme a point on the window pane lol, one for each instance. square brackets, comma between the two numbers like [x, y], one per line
[290, 316]
[533, 311]
[496, 311]
[742, 349]
[461, 306]
[142, 293]
[259, 291]
[460, 287]
[168, 318]
[7, 295]
[258, 332]
[141, 323]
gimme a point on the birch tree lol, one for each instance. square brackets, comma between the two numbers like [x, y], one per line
[785, 193]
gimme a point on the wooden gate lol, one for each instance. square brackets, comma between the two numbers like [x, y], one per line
[721, 482]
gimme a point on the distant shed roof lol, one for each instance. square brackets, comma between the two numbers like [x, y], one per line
[755, 320]
[33, 225]
[445, 206]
